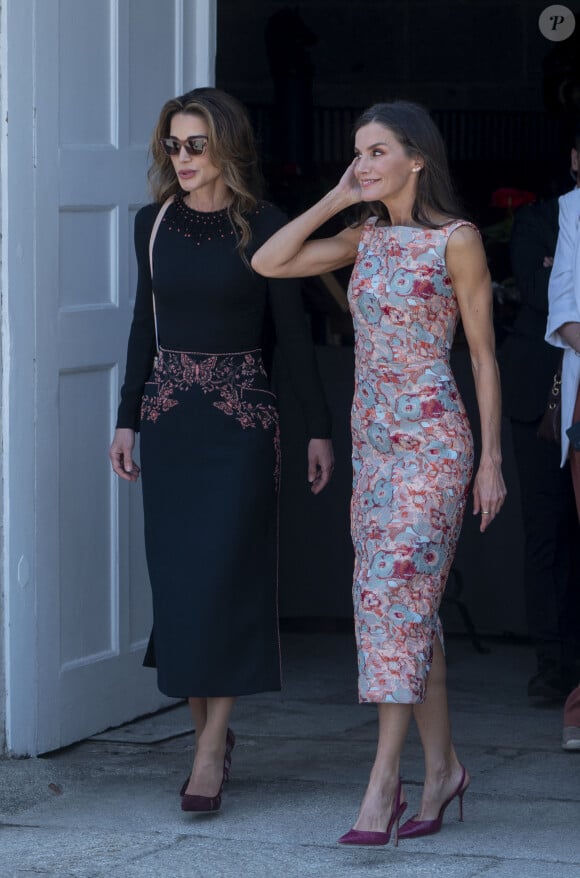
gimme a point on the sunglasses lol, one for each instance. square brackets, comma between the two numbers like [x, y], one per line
[193, 145]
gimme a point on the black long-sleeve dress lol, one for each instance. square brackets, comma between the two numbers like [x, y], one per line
[210, 446]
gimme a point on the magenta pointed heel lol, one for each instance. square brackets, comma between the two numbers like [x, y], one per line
[415, 828]
[230, 744]
[370, 839]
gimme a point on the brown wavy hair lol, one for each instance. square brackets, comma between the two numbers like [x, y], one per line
[419, 136]
[231, 147]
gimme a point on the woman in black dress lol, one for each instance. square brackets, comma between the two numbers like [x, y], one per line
[196, 388]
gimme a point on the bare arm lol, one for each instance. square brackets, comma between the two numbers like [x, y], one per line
[288, 253]
[469, 275]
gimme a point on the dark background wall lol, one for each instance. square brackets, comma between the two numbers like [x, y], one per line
[494, 85]
[454, 54]
[477, 64]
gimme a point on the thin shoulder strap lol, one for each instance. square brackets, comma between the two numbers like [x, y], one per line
[154, 230]
[458, 223]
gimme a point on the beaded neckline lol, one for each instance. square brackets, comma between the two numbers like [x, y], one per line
[183, 203]
[198, 225]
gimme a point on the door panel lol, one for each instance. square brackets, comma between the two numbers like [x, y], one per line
[88, 274]
[88, 582]
[101, 72]
[87, 68]
[150, 84]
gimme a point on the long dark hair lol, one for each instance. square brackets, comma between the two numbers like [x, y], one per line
[417, 133]
[231, 147]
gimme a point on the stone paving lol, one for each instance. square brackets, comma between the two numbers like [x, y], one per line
[108, 806]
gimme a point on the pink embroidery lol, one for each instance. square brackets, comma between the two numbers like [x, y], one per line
[230, 376]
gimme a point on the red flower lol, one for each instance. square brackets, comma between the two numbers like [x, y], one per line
[432, 408]
[423, 289]
[511, 198]
[404, 568]
[370, 600]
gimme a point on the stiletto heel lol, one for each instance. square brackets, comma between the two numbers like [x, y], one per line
[461, 805]
[400, 811]
[415, 828]
[230, 744]
[363, 837]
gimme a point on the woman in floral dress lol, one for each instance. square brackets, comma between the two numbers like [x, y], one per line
[418, 267]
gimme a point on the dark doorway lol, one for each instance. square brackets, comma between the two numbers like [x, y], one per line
[504, 96]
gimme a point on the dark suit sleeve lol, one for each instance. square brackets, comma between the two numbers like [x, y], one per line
[531, 241]
[526, 361]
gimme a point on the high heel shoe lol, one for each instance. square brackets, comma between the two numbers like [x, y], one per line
[415, 828]
[230, 744]
[363, 837]
[202, 803]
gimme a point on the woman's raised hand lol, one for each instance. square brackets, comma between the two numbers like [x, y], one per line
[291, 252]
[348, 185]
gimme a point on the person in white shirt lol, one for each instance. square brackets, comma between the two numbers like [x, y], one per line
[563, 331]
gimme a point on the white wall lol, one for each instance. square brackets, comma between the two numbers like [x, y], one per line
[2, 661]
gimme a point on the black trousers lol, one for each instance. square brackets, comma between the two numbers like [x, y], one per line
[552, 548]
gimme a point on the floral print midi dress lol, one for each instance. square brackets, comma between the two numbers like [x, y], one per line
[412, 454]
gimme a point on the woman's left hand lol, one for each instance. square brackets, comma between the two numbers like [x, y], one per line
[320, 464]
[489, 492]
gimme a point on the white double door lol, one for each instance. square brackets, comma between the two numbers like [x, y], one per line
[83, 83]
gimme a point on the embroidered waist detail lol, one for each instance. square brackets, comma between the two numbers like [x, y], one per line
[181, 369]
[211, 353]
[236, 383]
